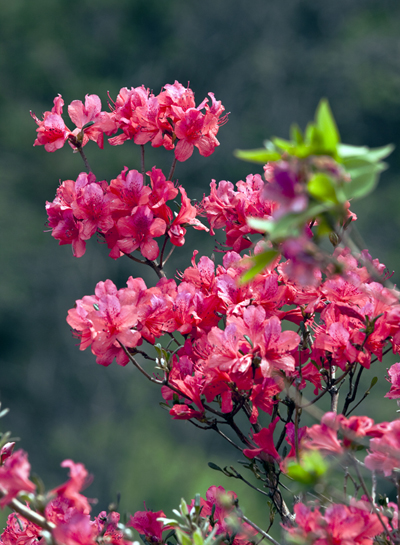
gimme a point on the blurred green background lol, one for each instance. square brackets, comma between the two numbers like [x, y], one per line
[270, 63]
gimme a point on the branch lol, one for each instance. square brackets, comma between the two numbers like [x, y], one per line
[171, 172]
[253, 525]
[28, 514]
[375, 510]
[142, 161]
[136, 364]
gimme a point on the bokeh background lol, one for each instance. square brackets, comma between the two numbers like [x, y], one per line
[270, 63]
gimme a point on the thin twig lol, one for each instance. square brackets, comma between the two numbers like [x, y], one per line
[169, 255]
[253, 525]
[163, 249]
[142, 161]
[222, 434]
[171, 172]
[239, 476]
[352, 392]
[364, 487]
[135, 258]
[82, 154]
[136, 364]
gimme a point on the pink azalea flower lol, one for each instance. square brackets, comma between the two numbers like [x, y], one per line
[91, 205]
[394, 379]
[384, 453]
[79, 479]
[127, 191]
[262, 397]
[6, 451]
[77, 530]
[265, 440]
[324, 436]
[187, 215]
[52, 132]
[90, 112]
[14, 477]
[138, 231]
[20, 531]
[337, 341]
[340, 524]
[146, 523]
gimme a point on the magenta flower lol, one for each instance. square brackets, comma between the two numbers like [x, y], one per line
[138, 231]
[52, 131]
[14, 477]
[340, 524]
[90, 113]
[146, 523]
[79, 479]
[384, 453]
[394, 379]
[77, 530]
[265, 440]
[20, 531]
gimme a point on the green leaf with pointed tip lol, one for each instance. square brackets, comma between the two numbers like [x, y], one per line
[327, 125]
[197, 537]
[364, 179]
[260, 262]
[373, 382]
[345, 151]
[296, 135]
[260, 156]
[322, 188]
[214, 466]
[285, 145]
[290, 224]
[182, 537]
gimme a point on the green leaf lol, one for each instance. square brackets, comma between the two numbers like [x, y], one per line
[327, 126]
[322, 188]
[373, 382]
[4, 412]
[285, 145]
[311, 467]
[197, 537]
[364, 179]
[260, 156]
[183, 538]
[346, 151]
[260, 262]
[296, 135]
[290, 224]
[214, 466]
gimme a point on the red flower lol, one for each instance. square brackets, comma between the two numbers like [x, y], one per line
[146, 523]
[14, 475]
[79, 479]
[52, 131]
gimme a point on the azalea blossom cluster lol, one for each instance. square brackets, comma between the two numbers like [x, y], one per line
[266, 333]
[67, 513]
[170, 119]
[128, 214]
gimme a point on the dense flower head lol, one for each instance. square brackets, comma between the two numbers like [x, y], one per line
[146, 523]
[91, 124]
[219, 506]
[170, 119]
[339, 524]
[229, 210]
[394, 379]
[384, 450]
[20, 531]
